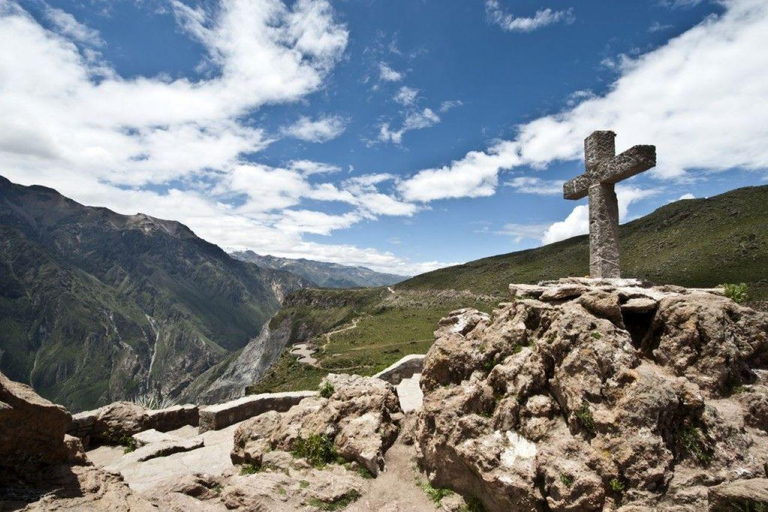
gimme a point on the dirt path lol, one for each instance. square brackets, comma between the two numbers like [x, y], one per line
[396, 489]
[304, 354]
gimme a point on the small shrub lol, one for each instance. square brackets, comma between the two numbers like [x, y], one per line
[317, 449]
[303, 484]
[128, 443]
[691, 443]
[435, 495]
[217, 488]
[596, 335]
[489, 364]
[585, 418]
[343, 502]
[566, 480]
[736, 292]
[365, 473]
[326, 390]
[250, 469]
[616, 485]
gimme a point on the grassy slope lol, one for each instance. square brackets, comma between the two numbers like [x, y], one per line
[388, 328]
[701, 242]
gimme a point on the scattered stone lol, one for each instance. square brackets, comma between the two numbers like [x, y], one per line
[639, 305]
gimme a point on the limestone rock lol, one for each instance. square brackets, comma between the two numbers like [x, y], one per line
[31, 430]
[739, 495]
[578, 402]
[118, 420]
[359, 417]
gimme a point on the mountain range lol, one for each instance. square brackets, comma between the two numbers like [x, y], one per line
[96, 306]
[325, 275]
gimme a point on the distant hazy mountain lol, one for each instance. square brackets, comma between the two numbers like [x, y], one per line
[97, 306]
[326, 275]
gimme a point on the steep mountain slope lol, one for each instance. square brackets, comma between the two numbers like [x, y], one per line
[97, 306]
[326, 275]
[699, 242]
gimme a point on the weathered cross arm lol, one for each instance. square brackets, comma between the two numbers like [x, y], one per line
[631, 162]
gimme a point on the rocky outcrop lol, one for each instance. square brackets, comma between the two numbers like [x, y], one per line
[32, 431]
[586, 395]
[359, 415]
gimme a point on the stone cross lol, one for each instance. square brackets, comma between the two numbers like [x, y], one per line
[604, 170]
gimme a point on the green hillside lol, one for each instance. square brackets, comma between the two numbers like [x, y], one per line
[697, 242]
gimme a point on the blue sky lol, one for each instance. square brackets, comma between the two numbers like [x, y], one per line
[402, 135]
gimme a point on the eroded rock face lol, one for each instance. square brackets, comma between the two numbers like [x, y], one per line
[32, 430]
[361, 417]
[572, 402]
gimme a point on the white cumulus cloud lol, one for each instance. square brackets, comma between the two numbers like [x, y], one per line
[318, 130]
[511, 23]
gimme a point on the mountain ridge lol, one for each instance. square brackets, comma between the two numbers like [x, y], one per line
[325, 274]
[97, 306]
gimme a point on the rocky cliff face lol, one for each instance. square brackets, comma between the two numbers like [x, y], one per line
[97, 306]
[587, 396]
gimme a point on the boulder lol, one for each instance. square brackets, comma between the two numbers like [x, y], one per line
[115, 422]
[32, 430]
[568, 404]
[360, 416]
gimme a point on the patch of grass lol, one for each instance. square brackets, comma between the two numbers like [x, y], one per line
[343, 502]
[217, 488]
[326, 390]
[365, 473]
[566, 480]
[701, 242]
[388, 328]
[616, 485]
[585, 418]
[738, 293]
[250, 469]
[596, 335]
[691, 443]
[435, 495]
[317, 449]
[303, 484]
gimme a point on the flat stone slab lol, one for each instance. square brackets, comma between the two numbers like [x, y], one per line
[405, 368]
[159, 449]
[409, 393]
[174, 417]
[639, 305]
[216, 417]
[152, 436]
[212, 458]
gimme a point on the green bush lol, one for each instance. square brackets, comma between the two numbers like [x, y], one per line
[326, 390]
[736, 292]
[691, 443]
[616, 485]
[435, 495]
[340, 504]
[317, 449]
[585, 418]
[566, 480]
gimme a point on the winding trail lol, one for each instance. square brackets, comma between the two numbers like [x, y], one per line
[304, 353]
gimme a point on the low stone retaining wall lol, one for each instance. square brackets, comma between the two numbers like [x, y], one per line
[405, 368]
[161, 420]
[216, 417]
